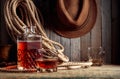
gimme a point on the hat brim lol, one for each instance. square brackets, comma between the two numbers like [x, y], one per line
[65, 31]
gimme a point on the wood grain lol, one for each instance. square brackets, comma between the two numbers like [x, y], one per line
[67, 45]
[106, 29]
[96, 31]
[103, 72]
[76, 48]
[85, 43]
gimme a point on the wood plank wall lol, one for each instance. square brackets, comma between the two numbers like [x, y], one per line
[106, 28]
[100, 35]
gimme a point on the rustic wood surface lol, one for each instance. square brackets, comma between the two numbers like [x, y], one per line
[102, 72]
[106, 28]
[96, 31]
[76, 48]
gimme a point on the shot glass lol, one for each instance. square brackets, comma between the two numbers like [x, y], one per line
[96, 55]
[47, 62]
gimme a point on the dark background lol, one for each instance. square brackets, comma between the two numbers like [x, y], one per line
[116, 31]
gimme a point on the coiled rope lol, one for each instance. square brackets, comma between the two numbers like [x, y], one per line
[28, 16]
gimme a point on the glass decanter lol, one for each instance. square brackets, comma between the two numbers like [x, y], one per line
[28, 45]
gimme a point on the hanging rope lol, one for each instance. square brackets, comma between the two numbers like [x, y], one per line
[28, 16]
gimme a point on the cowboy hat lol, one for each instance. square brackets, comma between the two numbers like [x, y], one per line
[73, 18]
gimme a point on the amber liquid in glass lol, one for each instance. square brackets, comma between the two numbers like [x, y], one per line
[27, 53]
[47, 63]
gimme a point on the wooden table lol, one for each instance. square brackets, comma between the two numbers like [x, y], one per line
[101, 72]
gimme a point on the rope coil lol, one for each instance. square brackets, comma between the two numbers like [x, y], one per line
[28, 16]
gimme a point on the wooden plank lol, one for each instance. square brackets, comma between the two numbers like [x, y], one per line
[85, 43]
[66, 43]
[103, 72]
[47, 30]
[55, 37]
[96, 31]
[75, 49]
[106, 29]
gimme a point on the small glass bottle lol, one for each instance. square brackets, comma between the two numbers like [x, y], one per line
[28, 44]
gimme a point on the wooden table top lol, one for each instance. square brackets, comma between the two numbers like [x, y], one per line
[94, 72]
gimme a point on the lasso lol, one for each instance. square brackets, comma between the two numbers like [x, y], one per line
[28, 16]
